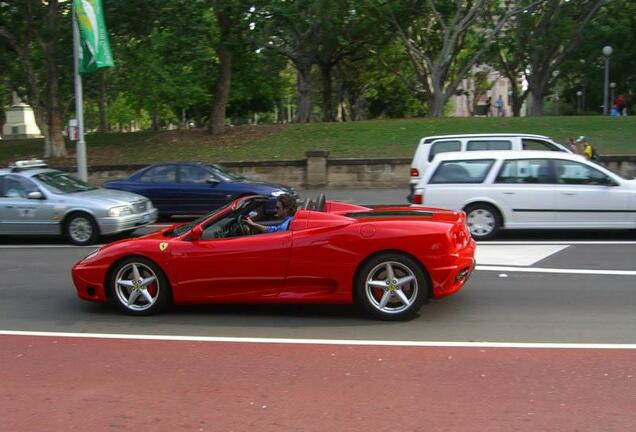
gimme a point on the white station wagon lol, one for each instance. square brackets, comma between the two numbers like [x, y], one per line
[528, 190]
[429, 147]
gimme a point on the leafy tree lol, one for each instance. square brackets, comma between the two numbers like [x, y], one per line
[32, 29]
[537, 42]
[444, 40]
[583, 70]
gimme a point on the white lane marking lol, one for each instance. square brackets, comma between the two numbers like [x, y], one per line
[320, 341]
[556, 270]
[516, 255]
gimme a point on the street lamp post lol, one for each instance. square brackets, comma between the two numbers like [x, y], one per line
[579, 94]
[607, 52]
[612, 87]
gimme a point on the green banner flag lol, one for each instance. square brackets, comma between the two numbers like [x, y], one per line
[94, 52]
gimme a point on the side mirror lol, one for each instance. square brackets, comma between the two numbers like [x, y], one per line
[196, 233]
[212, 181]
[35, 195]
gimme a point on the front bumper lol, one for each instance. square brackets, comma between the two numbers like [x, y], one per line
[89, 282]
[114, 225]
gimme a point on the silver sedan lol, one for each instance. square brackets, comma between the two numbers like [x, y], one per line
[43, 201]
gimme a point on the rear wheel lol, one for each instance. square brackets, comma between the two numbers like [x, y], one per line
[391, 287]
[483, 220]
[139, 287]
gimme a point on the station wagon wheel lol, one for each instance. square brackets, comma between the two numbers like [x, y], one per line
[81, 229]
[391, 287]
[483, 220]
[139, 287]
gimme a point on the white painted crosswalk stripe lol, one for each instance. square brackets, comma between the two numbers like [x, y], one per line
[515, 255]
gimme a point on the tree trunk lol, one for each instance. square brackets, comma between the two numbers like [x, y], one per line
[55, 137]
[154, 118]
[536, 87]
[221, 91]
[517, 101]
[360, 108]
[327, 106]
[436, 103]
[303, 93]
[103, 122]
[536, 106]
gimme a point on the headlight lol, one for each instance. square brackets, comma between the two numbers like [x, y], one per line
[278, 193]
[120, 211]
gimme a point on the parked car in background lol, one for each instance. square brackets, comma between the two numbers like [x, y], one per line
[431, 146]
[528, 190]
[36, 200]
[189, 188]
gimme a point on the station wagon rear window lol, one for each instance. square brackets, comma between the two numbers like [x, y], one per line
[462, 171]
[444, 147]
[479, 145]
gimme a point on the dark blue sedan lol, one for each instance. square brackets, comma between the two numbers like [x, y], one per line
[184, 188]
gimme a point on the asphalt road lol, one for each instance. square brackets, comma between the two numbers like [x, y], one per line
[516, 304]
[497, 356]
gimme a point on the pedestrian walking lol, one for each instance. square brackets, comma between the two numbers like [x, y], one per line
[571, 145]
[588, 151]
[621, 105]
[499, 104]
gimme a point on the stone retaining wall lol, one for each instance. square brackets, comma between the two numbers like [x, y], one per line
[318, 170]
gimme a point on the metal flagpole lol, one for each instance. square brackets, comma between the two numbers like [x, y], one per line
[82, 170]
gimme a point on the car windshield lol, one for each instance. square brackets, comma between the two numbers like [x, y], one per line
[225, 174]
[182, 229]
[61, 182]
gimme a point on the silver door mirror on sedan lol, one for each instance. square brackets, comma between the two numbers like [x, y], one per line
[36, 195]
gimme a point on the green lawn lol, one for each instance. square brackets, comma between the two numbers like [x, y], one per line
[376, 138]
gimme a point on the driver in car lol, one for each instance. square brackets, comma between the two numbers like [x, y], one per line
[285, 209]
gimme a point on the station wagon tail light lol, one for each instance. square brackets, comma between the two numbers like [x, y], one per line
[418, 198]
[415, 172]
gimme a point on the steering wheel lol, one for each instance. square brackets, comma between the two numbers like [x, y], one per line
[243, 227]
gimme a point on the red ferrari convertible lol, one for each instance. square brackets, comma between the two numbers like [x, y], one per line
[387, 260]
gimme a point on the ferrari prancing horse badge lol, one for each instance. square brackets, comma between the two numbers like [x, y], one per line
[163, 246]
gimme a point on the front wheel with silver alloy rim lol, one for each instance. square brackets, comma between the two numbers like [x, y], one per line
[391, 286]
[483, 220]
[138, 286]
[81, 229]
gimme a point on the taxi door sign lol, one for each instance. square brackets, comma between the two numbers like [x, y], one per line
[27, 212]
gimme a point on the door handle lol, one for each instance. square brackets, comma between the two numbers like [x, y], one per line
[508, 193]
[569, 193]
[9, 206]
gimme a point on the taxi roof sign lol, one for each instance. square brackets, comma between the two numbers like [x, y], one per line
[28, 163]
